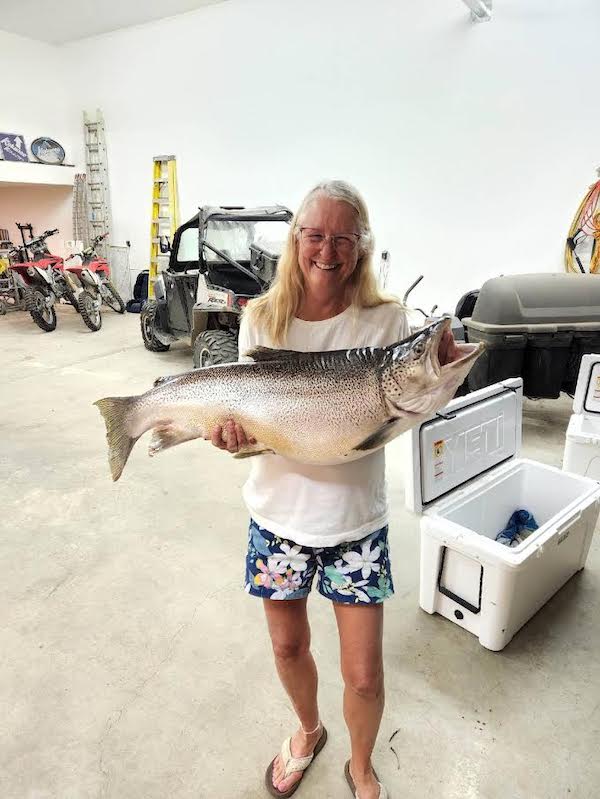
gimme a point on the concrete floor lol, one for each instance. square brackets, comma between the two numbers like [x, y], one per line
[135, 667]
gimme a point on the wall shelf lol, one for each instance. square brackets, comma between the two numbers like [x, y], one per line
[35, 172]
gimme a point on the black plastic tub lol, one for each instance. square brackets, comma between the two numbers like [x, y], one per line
[545, 363]
[536, 327]
[502, 358]
[583, 344]
[263, 262]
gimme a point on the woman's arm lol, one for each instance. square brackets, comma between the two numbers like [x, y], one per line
[246, 339]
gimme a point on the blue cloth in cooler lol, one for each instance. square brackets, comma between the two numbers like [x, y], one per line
[520, 525]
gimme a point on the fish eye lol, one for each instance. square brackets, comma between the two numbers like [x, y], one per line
[419, 347]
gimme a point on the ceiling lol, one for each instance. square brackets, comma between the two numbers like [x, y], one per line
[66, 20]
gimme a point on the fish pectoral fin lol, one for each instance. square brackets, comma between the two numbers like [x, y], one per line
[169, 435]
[383, 435]
[268, 354]
[250, 452]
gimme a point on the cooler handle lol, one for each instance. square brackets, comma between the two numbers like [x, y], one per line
[561, 530]
[454, 597]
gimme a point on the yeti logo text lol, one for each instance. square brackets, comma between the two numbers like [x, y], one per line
[474, 444]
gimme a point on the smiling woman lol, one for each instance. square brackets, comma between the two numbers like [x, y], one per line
[328, 254]
[326, 265]
[328, 522]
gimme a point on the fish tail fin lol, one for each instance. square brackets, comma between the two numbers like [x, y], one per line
[115, 411]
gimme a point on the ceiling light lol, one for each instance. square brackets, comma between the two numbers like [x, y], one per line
[481, 10]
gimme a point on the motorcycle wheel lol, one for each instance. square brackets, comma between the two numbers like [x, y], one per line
[89, 312]
[72, 299]
[112, 298]
[43, 315]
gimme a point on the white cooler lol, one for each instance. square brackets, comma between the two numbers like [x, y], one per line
[467, 480]
[582, 444]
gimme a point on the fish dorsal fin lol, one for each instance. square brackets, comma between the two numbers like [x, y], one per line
[268, 354]
[160, 381]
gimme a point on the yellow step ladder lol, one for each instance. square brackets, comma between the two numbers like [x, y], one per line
[165, 215]
[5, 246]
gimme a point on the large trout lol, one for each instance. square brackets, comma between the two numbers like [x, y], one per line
[313, 407]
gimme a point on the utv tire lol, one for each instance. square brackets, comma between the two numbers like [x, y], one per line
[213, 347]
[42, 315]
[147, 317]
[90, 315]
[113, 300]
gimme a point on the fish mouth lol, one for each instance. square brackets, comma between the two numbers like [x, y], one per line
[437, 331]
[467, 353]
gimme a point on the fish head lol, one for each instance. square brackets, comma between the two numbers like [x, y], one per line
[414, 381]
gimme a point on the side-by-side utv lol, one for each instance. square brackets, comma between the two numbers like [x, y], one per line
[219, 259]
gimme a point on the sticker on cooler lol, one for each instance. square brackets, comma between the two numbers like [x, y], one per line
[438, 459]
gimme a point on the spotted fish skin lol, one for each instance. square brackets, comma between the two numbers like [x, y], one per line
[320, 408]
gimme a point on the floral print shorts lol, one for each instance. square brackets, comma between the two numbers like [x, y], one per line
[355, 572]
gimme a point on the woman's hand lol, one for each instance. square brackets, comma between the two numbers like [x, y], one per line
[231, 436]
[448, 350]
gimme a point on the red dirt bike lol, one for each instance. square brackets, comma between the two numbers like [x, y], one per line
[94, 274]
[42, 277]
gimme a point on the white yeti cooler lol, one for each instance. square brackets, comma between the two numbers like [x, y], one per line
[467, 480]
[582, 442]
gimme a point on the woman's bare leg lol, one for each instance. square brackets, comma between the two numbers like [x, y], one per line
[290, 637]
[361, 638]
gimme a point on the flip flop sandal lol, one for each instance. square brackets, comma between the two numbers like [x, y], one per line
[383, 794]
[292, 764]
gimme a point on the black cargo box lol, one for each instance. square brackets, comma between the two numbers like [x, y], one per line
[536, 327]
[263, 262]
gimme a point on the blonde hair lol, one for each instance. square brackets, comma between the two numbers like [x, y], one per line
[274, 310]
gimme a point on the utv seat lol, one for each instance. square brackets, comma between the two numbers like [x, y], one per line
[227, 276]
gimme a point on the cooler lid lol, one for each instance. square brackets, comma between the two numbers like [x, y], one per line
[470, 436]
[587, 393]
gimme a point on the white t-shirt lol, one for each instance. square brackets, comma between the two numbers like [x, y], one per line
[322, 506]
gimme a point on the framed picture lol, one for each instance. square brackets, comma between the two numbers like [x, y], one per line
[12, 147]
[47, 150]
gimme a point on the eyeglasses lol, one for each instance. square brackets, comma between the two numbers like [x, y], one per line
[342, 242]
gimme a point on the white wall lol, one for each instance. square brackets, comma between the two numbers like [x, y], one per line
[37, 100]
[473, 144]
[45, 207]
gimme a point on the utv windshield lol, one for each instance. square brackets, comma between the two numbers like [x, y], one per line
[234, 238]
